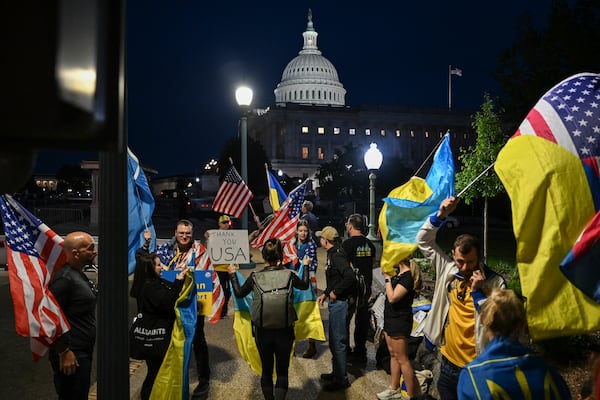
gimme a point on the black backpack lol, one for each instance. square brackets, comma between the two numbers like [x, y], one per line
[273, 305]
[360, 290]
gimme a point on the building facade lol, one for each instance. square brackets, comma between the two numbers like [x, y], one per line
[310, 120]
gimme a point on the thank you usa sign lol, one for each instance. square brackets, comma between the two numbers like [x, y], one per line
[228, 246]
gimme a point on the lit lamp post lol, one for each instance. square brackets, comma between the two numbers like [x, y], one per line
[373, 159]
[243, 96]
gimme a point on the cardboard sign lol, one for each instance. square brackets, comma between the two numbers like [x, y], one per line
[203, 281]
[228, 246]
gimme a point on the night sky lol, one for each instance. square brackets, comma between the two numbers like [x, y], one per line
[185, 59]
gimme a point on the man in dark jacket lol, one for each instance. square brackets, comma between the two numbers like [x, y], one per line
[340, 282]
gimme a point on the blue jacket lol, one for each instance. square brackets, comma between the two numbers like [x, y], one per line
[507, 370]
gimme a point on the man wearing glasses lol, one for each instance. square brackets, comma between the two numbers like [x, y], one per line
[462, 283]
[183, 251]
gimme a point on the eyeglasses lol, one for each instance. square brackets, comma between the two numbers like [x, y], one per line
[460, 295]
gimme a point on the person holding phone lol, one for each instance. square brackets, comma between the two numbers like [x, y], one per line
[462, 284]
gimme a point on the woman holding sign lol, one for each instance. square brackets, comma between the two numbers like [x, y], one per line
[156, 297]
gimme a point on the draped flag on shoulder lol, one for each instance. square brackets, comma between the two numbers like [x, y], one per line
[308, 325]
[233, 196]
[140, 205]
[408, 206]
[35, 254]
[549, 168]
[284, 223]
[172, 381]
[276, 193]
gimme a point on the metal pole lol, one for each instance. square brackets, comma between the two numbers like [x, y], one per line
[449, 87]
[244, 140]
[371, 236]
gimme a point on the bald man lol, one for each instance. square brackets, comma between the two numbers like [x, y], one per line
[71, 354]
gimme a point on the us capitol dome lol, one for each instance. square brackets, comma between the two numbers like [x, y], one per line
[310, 78]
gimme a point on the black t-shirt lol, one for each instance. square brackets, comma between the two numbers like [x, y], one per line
[403, 306]
[361, 253]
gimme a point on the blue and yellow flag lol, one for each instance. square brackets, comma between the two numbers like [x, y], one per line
[408, 206]
[276, 194]
[550, 170]
[308, 325]
[140, 205]
[172, 381]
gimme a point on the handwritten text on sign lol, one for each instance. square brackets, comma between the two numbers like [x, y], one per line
[228, 246]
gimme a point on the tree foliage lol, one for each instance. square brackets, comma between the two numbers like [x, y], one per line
[539, 58]
[475, 160]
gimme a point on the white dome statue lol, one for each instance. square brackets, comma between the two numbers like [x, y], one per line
[310, 78]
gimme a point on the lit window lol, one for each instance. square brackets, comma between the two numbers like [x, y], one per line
[305, 129]
[382, 132]
[321, 130]
[397, 132]
[412, 133]
[305, 152]
[351, 131]
[426, 134]
[336, 131]
[367, 132]
[320, 153]
[465, 135]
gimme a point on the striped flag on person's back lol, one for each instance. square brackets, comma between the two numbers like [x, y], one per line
[35, 253]
[233, 195]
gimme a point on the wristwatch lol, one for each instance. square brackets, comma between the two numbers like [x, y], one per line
[387, 280]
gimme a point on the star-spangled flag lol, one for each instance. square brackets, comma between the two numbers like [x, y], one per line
[285, 221]
[233, 195]
[550, 170]
[35, 254]
[456, 71]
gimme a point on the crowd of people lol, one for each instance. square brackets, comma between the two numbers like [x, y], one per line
[476, 327]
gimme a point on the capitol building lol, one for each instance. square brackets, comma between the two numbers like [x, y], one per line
[310, 119]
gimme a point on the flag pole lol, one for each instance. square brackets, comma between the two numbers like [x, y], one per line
[430, 154]
[449, 87]
[475, 180]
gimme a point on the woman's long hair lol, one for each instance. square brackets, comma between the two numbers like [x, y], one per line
[304, 223]
[415, 271]
[145, 270]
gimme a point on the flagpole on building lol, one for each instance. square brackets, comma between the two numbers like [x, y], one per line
[449, 87]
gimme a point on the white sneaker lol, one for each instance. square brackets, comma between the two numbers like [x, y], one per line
[389, 394]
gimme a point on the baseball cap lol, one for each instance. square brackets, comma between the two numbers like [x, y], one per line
[224, 218]
[329, 233]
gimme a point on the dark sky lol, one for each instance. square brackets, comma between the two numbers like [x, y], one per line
[185, 58]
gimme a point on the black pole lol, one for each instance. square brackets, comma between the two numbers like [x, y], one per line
[113, 323]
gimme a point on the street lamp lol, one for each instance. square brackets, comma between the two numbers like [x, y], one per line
[373, 159]
[243, 96]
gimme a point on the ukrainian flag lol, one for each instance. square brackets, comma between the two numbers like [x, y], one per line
[172, 381]
[276, 194]
[308, 325]
[408, 206]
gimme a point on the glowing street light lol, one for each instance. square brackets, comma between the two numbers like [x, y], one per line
[373, 159]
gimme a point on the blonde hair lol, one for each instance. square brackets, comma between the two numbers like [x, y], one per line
[503, 314]
[415, 271]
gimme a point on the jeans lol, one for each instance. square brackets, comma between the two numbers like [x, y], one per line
[76, 386]
[338, 338]
[448, 380]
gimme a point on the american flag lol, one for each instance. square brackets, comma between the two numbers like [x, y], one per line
[569, 115]
[456, 71]
[284, 223]
[233, 195]
[34, 253]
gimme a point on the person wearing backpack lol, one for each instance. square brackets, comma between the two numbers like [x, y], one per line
[273, 314]
[361, 254]
[341, 282]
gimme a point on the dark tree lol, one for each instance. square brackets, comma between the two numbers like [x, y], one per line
[541, 57]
